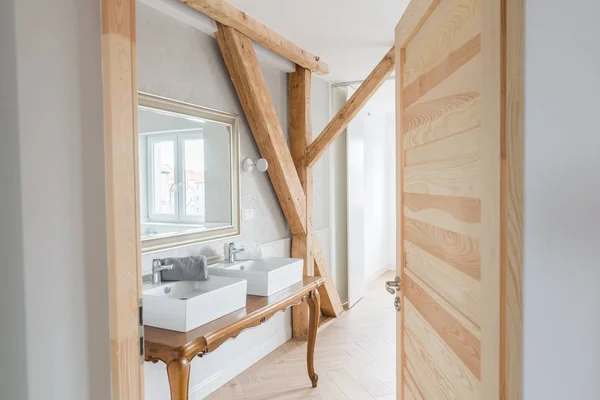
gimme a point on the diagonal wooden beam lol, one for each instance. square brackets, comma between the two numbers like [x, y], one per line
[331, 305]
[252, 91]
[358, 100]
[226, 14]
[240, 59]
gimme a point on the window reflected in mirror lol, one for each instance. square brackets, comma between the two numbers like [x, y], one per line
[188, 173]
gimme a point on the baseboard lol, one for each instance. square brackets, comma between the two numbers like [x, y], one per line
[239, 365]
[370, 278]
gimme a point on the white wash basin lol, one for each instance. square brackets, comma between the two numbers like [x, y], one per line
[266, 276]
[185, 305]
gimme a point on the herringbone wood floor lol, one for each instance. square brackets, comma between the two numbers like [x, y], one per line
[355, 359]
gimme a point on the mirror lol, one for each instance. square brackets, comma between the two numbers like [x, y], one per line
[188, 170]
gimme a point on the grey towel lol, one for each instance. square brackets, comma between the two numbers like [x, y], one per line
[192, 268]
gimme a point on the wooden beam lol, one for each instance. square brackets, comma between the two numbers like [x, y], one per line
[119, 71]
[300, 137]
[240, 59]
[358, 100]
[300, 131]
[226, 14]
[331, 305]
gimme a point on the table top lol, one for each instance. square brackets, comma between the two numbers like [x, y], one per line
[163, 344]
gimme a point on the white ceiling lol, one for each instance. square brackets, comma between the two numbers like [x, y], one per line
[351, 36]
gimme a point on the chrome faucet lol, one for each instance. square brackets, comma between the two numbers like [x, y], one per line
[157, 267]
[231, 251]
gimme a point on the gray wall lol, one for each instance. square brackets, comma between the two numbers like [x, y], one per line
[13, 374]
[53, 143]
[562, 197]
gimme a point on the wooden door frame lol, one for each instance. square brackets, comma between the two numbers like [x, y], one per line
[119, 70]
[119, 66]
[502, 200]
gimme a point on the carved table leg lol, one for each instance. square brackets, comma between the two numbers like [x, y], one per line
[179, 378]
[314, 303]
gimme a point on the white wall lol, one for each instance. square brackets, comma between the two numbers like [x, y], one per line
[376, 121]
[562, 198]
[377, 188]
[338, 200]
[13, 374]
[53, 189]
[182, 63]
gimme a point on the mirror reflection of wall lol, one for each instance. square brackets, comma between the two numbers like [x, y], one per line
[185, 173]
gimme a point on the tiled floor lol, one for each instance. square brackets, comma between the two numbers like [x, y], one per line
[355, 359]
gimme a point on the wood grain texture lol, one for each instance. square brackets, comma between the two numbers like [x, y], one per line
[462, 342]
[413, 18]
[465, 209]
[457, 176]
[300, 135]
[410, 389]
[443, 303]
[466, 79]
[226, 14]
[417, 353]
[123, 234]
[440, 118]
[461, 144]
[457, 250]
[448, 28]
[512, 192]
[440, 218]
[400, 253]
[490, 239]
[458, 289]
[460, 115]
[425, 381]
[451, 368]
[430, 79]
[331, 304]
[240, 59]
[354, 104]
[456, 214]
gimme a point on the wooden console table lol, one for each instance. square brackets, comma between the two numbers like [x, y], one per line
[177, 349]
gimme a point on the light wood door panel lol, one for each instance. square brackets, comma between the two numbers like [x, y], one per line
[451, 174]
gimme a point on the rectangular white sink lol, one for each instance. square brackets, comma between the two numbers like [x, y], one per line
[265, 277]
[185, 305]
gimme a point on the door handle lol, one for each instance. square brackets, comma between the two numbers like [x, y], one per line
[393, 286]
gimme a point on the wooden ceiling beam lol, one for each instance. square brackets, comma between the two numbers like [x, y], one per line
[356, 102]
[240, 59]
[226, 14]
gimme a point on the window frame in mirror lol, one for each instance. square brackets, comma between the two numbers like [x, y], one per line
[151, 101]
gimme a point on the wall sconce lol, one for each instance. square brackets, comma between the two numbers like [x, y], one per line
[261, 164]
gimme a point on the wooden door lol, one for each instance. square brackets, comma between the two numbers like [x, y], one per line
[459, 146]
